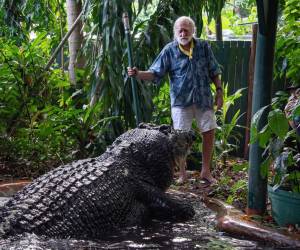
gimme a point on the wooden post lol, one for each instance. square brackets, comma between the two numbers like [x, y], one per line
[250, 90]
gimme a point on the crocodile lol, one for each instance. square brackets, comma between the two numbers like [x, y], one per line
[89, 198]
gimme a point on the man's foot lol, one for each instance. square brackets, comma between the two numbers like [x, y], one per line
[205, 182]
[181, 180]
[206, 175]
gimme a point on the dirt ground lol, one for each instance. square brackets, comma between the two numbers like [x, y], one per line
[231, 186]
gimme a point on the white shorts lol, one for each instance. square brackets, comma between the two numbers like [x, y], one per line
[183, 117]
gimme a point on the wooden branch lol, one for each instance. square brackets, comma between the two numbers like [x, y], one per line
[65, 38]
[250, 89]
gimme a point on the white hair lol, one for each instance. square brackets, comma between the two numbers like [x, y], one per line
[185, 19]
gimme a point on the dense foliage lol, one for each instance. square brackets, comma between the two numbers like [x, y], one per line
[281, 143]
[279, 138]
[44, 120]
[287, 44]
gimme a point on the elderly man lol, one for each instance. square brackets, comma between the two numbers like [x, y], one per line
[191, 66]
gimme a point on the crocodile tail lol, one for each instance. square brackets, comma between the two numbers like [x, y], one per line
[2, 233]
[3, 222]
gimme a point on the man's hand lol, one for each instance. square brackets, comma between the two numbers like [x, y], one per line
[219, 99]
[139, 74]
[219, 92]
[132, 72]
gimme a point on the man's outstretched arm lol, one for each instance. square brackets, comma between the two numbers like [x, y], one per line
[142, 75]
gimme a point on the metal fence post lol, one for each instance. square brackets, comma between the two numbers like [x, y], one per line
[130, 62]
[263, 77]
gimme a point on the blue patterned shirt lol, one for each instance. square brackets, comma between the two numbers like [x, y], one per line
[189, 78]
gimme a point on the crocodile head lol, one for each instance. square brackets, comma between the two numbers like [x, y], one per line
[163, 149]
[182, 141]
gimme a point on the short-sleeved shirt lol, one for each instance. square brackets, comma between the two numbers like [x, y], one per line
[189, 78]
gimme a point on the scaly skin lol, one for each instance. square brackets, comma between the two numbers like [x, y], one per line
[89, 198]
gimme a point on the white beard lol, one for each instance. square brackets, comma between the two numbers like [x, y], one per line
[184, 41]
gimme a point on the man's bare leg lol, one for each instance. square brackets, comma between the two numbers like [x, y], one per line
[207, 150]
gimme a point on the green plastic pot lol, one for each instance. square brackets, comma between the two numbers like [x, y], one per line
[285, 206]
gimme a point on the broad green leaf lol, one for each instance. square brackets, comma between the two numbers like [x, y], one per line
[296, 111]
[278, 123]
[254, 124]
[62, 84]
[88, 113]
[264, 136]
[257, 116]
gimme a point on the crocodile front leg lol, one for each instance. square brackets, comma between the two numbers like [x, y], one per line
[161, 205]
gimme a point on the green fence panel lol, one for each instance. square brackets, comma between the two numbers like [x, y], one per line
[234, 56]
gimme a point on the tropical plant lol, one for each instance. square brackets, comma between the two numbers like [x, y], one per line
[44, 118]
[162, 110]
[227, 135]
[23, 81]
[238, 192]
[270, 125]
[104, 44]
[287, 43]
[281, 155]
[25, 91]
[231, 186]
[20, 19]
[234, 15]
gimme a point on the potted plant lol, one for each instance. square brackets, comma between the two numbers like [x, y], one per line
[281, 139]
